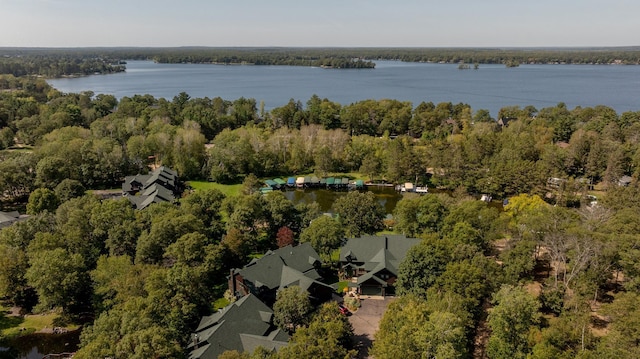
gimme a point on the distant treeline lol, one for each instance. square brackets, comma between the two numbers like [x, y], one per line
[85, 61]
[57, 62]
[316, 56]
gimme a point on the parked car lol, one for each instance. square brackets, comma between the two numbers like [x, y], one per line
[344, 310]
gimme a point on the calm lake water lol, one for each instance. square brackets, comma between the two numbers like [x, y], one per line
[490, 87]
[37, 345]
[386, 196]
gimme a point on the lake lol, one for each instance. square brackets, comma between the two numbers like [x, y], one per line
[387, 197]
[37, 345]
[491, 87]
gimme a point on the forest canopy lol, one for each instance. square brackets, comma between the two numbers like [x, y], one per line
[553, 273]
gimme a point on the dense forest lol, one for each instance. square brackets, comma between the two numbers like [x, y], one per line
[553, 274]
[51, 62]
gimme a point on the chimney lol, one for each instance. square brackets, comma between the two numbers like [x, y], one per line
[233, 282]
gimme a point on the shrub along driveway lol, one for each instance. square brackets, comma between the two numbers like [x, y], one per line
[366, 321]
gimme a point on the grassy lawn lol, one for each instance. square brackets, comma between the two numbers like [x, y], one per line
[342, 286]
[231, 190]
[335, 256]
[228, 190]
[10, 326]
[220, 303]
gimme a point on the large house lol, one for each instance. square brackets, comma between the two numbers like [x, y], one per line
[243, 326]
[161, 185]
[281, 268]
[373, 261]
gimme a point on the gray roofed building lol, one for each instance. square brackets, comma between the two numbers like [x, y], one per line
[281, 268]
[8, 218]
[625, 181]
[243, 326]
[161, 185]
[374, 261]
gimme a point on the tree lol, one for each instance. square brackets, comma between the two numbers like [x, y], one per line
[16, 175]
[280, 212]
[624, 336]
[523, 210]
[291, 308]
[472, 279]
[422, 266]
[60, 278]
[359, 213]
[518, 261]
[325, 234]
[419, 214]
[6, 138]
[409, 329]
[237, 243]
[510, 322]
[74, 225]
[246, 213]
[371, 165]
[13, 266]
[115, 280]
[128, 331]
[164, 231]
[234, 354]
[284, 237]
[476, 213]
[251, 184]
[328, 336]
[206, 206]
[188, 151]
[68, 189]
[114, 224]
[42, 199]
[466, 241]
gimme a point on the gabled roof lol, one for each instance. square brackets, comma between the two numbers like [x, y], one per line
[8, 218]
[365, 277]
[375, 253]
[283, 267]
[243, 325]
[160, 191]
[157, 186]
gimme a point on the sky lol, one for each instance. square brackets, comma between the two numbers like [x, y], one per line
[325, 23]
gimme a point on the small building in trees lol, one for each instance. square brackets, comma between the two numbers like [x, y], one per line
[373, 261]
[9, 218]
[504, 121]
[243, 326]
[625, 181]
[161, 185]
[281, 268]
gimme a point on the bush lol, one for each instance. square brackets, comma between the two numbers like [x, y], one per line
[552, 300]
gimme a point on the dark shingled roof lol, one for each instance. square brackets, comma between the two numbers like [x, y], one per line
[375, 253]
[243, 326]
[158, 186]
[284, 267]
[8, 218]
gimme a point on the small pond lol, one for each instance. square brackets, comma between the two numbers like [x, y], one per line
[37, 345]
[387, 197]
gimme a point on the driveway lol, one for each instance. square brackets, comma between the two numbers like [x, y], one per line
[366, 321]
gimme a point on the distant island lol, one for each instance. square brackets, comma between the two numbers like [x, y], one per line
[60, 62]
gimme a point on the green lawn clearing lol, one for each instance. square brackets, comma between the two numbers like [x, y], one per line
[14, 326]
[342, 286]
[229, 190]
